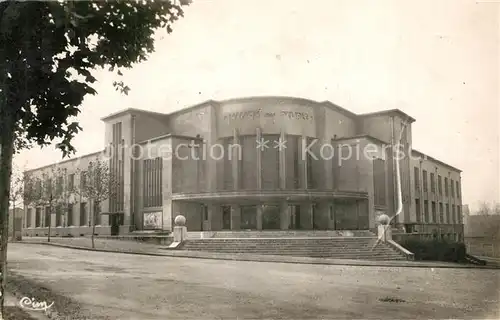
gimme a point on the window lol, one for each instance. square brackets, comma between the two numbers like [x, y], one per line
[433, 183]
[48, 187]
[38, 217]
[452, 190]
[440, 185]
[70, 215]
[28, 218]
[417, 210]
[459, 214]
[424, 180]
[441, 213]
[83, 179]
[379, 181]
[426, 211]
[270, 159]
[97, 214]
[448, 213]
[71, 181]
[83, 214]
[458, 189]
[59, 185]
[416, 174]
[446, 187]
[58, 216]
[434, 214]
[48, 219]
[205, 212]
[152, 185]
[453, 216]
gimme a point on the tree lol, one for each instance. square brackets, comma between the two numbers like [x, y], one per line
[99, 184]
[48, 52]
[16, 197]
[487, 209]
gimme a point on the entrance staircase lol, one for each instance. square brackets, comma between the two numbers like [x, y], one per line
[356, 245]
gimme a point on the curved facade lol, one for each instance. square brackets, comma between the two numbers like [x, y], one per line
[257, 163]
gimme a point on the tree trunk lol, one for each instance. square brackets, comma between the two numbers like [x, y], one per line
[13, 221]
[6, 153]
[50, 217]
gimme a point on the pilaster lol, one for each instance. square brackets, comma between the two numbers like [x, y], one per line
[284, 216]
[282, 162]
[259, 217]
[235, 161]
[235, 217]
[259, 159]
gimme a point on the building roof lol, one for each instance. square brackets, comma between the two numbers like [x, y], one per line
[426, 157]
[132, 110]
[64, 161]
[388, 112]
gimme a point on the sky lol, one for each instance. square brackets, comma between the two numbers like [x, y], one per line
[438, 61]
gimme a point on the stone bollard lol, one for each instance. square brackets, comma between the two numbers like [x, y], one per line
[384, 229]
[180, 230]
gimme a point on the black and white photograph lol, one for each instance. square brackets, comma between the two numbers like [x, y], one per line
[238, 159]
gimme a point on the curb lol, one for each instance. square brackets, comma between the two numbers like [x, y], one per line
[269, 259]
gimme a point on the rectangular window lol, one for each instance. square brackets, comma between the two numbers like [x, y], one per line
[441, 213]
[70, 215]
[58, 216]
[59, 185]
[416, 174]
[83, 179]
[426, 211]
[38, 217]
[205, 212]
[417, 210]
[83, 214]
[452, 189]
[458, 189]
[453, 216]
[48, 187]
[433, 183]
[434, 214]
[71, 181]
[446, 187]
[152, 186]
[440, 185]
[424, 180]
[448, 213]
[311, 164]
[48, 219]
[270, 164]
[28, 218]
[459, 215]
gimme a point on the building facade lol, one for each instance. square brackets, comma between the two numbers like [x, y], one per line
[262, 163]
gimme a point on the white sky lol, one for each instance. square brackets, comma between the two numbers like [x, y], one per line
[436, 60]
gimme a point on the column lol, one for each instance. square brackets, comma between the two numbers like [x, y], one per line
[235, 217]
[259, 217]
[235, 161]
[323, 215]
[259, 160]
[282, 162]
[215, 217]
[302, 161]
[284, 216]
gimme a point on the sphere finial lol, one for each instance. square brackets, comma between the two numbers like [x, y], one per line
[384, 219]
[180, 221]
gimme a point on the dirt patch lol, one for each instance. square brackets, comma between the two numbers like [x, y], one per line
[16, 313]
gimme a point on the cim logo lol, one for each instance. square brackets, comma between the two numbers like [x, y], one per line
[32, 304]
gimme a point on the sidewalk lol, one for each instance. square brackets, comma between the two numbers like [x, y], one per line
[133, 247]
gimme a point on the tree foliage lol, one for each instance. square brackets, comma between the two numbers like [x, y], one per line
[49, 50]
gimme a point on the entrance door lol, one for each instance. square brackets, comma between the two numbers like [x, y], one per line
[294, 216]
[226, 217]
[270, 217]
[248, 217]
[114, 221]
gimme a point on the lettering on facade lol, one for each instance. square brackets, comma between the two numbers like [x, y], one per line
[256, 114]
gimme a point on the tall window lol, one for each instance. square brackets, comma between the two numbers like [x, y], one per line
[452, 189]
[426, 211]
[47, 216]
[59, 185]
[58, 216]
[70, 215]
[71, 181]
[83, 179]
[459, 214]
[271, 164]
[417, 210]
[312, 165]
[379, 181]
[249, 162]
[83, 214]
[28, 218]
[152, 182]
[433, 183]
[38, 217]
[416, 174]
[440, 185]
[448, 220]
[424, 180]
[453, 216]
[446, 186]
[434, 214]
[458, 189]
[441, 213]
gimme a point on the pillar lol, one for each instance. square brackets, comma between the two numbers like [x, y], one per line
[284, 216]
[235, 161]
[302, 162]
[214, 217]
[235, 217]
[323, 215]
[259, 160]
[282, 162]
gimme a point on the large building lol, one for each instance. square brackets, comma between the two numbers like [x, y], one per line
[260, 163]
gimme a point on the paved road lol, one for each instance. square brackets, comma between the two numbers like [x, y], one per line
[139, 287]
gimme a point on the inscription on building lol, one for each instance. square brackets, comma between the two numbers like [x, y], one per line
[256, 114]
